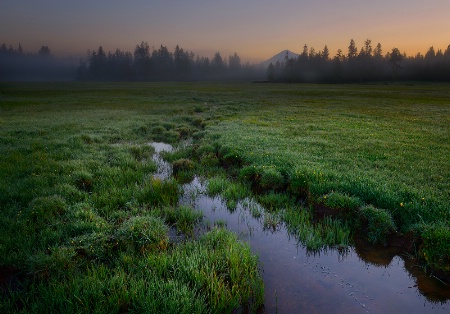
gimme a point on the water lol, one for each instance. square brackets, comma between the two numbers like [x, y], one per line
[164, 169]
[359, 280]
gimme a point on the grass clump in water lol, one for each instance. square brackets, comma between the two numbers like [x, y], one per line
[183, 170]
[275, 201]
[315, 236]
[232, 192]
[142, 152]
[263, 178]
[224, 269]
[233, 271]
[377, 224]
[216, 185]
[143, 233]
[159, 192]
[182, 165]
[271, 221]
[435, 248]
[184, 218]
[209, 160]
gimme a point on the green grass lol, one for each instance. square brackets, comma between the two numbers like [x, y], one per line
[381, 145]
[76, 178]
[316, 236]
[232, 192]
[183, 218]
[85, 226]
[216, 274]
[387, 145]
[379, 224]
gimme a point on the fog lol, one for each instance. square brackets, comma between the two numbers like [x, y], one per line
[355, 64]
[364, 64]
[16, 65]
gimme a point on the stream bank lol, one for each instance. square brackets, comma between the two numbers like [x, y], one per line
[358, 279]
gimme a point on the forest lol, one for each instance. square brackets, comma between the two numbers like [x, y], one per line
[161, 65]
[143, 64]
[366, 64]
[18, 65]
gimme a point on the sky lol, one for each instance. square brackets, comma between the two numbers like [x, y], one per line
[255, 29]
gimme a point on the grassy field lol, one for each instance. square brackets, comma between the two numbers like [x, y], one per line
[388, 145]
[379, 154]
[84, 225]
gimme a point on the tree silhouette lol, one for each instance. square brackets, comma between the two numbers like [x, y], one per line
[98, 65]
[217, 65]
[271, 75]
[44, 51]
[161, 64]
[352, 50]
[447, 53]
[325, 53]
[366, 52]
[304, 55]
[142, 62]
[182, 62]
[395, 58]
[378, 52]
[234, 62]
[429, 56]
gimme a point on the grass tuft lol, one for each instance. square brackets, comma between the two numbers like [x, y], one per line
[435, 249]
[377, 224]
[43, 210]
[143, 233]
[184, 218]
[159, 192]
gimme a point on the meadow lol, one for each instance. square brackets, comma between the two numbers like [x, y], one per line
[86, 227]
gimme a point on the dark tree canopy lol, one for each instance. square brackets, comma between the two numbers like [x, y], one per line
[161, 65]
[395, 59]
[18, 65]
[44, 51]
[368, 65]
[150, 64]
[352, 50]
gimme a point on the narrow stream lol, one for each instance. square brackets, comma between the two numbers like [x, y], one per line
[330, 282]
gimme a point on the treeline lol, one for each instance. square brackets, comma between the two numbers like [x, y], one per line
[145, 64]
[161, 64]
[367, 64]
[18, 65]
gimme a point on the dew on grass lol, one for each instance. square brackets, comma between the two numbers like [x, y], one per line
[287, 267]
[299, 280]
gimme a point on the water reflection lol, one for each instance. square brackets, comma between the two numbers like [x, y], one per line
[327, 281]
[358, 280]
[164, 169]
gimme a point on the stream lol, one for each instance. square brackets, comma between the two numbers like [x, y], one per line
[359, 280]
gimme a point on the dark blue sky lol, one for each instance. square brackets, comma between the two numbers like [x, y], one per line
[256, 29]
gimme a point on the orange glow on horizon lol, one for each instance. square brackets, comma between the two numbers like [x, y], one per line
[255, 29]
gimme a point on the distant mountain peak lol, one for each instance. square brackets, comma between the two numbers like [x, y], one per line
[280, 57]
